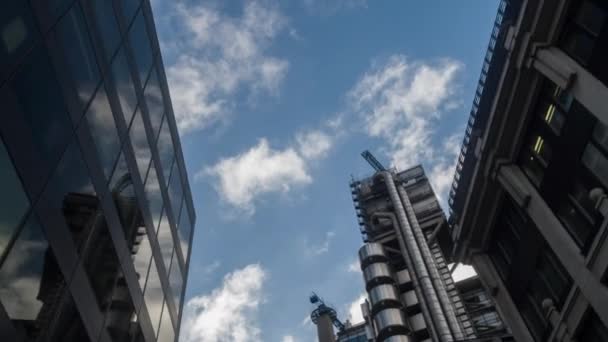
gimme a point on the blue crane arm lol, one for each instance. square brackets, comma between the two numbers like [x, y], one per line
[367, 155]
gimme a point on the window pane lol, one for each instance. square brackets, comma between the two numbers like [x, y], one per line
[108, 27]
[175, 188]
[154, 196]
[44, 110]
[121, 171]
[17, 33]
[184, 231]
[600, 135]
[121, 318]
[166, 332]
[129, 7]
[23, 286]
[103, 130]
[165, 240]
[154, 100]
[139, 141]
[124, 85]
[591, 17]
[140, 44]
[78, 53]
[13, 201]
[165, 149]
[153, 296]
[595, 161]
[142, 256]
[176, 281]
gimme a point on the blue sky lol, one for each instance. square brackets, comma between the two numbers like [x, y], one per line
[275, 102]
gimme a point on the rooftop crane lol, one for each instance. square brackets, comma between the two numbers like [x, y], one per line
[367, 155]
[324, 309]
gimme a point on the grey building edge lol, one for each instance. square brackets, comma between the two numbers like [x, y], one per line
[41, 22]
[543, 45]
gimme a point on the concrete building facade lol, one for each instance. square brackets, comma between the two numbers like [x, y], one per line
[96, 214]
[528, 203]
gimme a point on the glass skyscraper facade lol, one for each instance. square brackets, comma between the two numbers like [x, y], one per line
[96, 213]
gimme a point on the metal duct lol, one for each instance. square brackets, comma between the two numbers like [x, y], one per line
[398, 338]
[430, 296]
[377, 273]
[390, 322]
[410, 266]
[442, 293]
[383, 293]
[370, 253]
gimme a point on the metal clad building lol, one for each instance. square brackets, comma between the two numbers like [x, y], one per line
[529, 207]
[96, 214]
[409, 285]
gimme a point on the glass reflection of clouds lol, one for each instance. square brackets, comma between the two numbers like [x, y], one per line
[165, 149]
[184, 231]
[176, 280]
[165, 239]
[124, 85]
[154, 196]
[154, 100]
[166, 332]
[154, 296]
[139, 141]
[142, 257]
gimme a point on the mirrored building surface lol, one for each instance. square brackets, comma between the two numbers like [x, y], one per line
[96, 214]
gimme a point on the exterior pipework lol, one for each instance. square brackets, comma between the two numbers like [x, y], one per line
[410, 266]
[420, 269]
[442, 293]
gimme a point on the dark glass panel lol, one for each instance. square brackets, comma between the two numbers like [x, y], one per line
[124, 85]
[593, 330]
[176, 281]
[165, 149]
[184, 231]
[597, 163]
[140, 43]
[17, 33]
[139, 141]
[108, 26]
[579, 44]
[71, 193]
[121, 319]
[175, 188]
[154, 296]
[154, 100]
[103, 130]
[165, 239]
[600, 135]
[154, 196]
[129, 7]
[78, 53]
[142, 257]
[121, 171]
[42, 104]
[166, 333]
[591, 17]
[13, 201]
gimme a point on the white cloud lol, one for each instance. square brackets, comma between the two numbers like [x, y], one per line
[355, 315]
[401, 102]
[320, 248]
[257, 171]
[314, 144]
[354, 267]
[228, 312]
[218, 56]
[288, 338]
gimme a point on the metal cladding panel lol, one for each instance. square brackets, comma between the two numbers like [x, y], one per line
[403, 277]
[389, 318]
[371, 250]
[398, 338]
[417, 322]
[383, 292]
[410, 298]
[377, 270]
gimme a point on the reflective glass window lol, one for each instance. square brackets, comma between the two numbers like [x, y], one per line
[165, 149]
[165, 239]
[24, 286]
[121, 170]
[124, 85]
[154, 100]
[142, 256]
[17, 33]
[175, 188]
[597, 163]
[140, 43]
[121, 319]
[103, 130]
[129, 7]
[154, 296]
[43, 108]
[184, 231]
[176, 281]
[71, 193]
[13, 201]
[166, 332]
[108, 27]
[139, 141]
[78, 53]
[154, 196]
